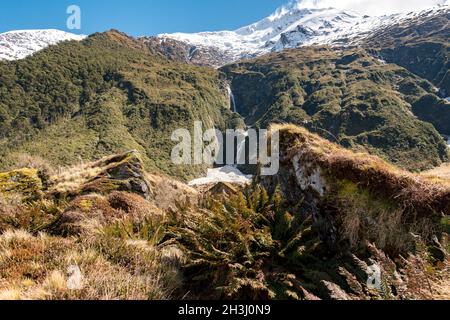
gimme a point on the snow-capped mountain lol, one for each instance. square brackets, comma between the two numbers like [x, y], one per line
[16, 45]
[292, 26]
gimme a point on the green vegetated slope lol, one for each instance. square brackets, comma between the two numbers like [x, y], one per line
[107, 94]
[347, 96]
[421, 45]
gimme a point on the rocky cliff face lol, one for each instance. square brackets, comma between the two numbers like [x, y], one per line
[186, 52]
[323, 172]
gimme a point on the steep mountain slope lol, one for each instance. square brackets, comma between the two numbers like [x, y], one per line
[420, 44]
[109, 93]
[291, 26]
[84, 100]
[22, 43]
[348, 96]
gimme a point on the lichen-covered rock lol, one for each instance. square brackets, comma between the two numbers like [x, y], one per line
[25, 182]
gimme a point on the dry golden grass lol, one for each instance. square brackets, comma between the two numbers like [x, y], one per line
[439, 175]
[442, 290]
[112, 238]
[34, 162]
[69, 180]
[168, 192]
[38, 267]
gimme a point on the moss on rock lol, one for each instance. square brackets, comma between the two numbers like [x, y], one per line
[25, 182]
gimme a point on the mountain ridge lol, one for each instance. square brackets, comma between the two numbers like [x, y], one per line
[19, 44]
[290, 27]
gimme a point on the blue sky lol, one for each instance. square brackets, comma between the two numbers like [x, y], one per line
[136, 17]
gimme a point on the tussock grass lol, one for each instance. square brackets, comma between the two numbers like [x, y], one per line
[113, 239]
[113, 267]
[70, 179]
[250, 245]
[439, 175]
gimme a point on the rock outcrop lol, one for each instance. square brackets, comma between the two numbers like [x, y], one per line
[367, 214]
[326, 175]
[119, 173]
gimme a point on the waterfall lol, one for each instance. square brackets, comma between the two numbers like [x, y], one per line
[241, 148]
[232, 99]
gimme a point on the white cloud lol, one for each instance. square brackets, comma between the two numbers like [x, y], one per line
[372, 7]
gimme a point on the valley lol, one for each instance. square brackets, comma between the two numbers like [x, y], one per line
[359, 104]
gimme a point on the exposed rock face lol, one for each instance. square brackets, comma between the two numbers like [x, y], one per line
[116, 173]
[120, 173]
[365, 212]
[320, 171]
[185, 52]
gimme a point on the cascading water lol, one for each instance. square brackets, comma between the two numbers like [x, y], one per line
[232, 99]
[447, 138]
[241, 149]
[229, 172]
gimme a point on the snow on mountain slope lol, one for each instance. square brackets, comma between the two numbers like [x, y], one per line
[16, 45]
[292, 26]
[227, 174]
